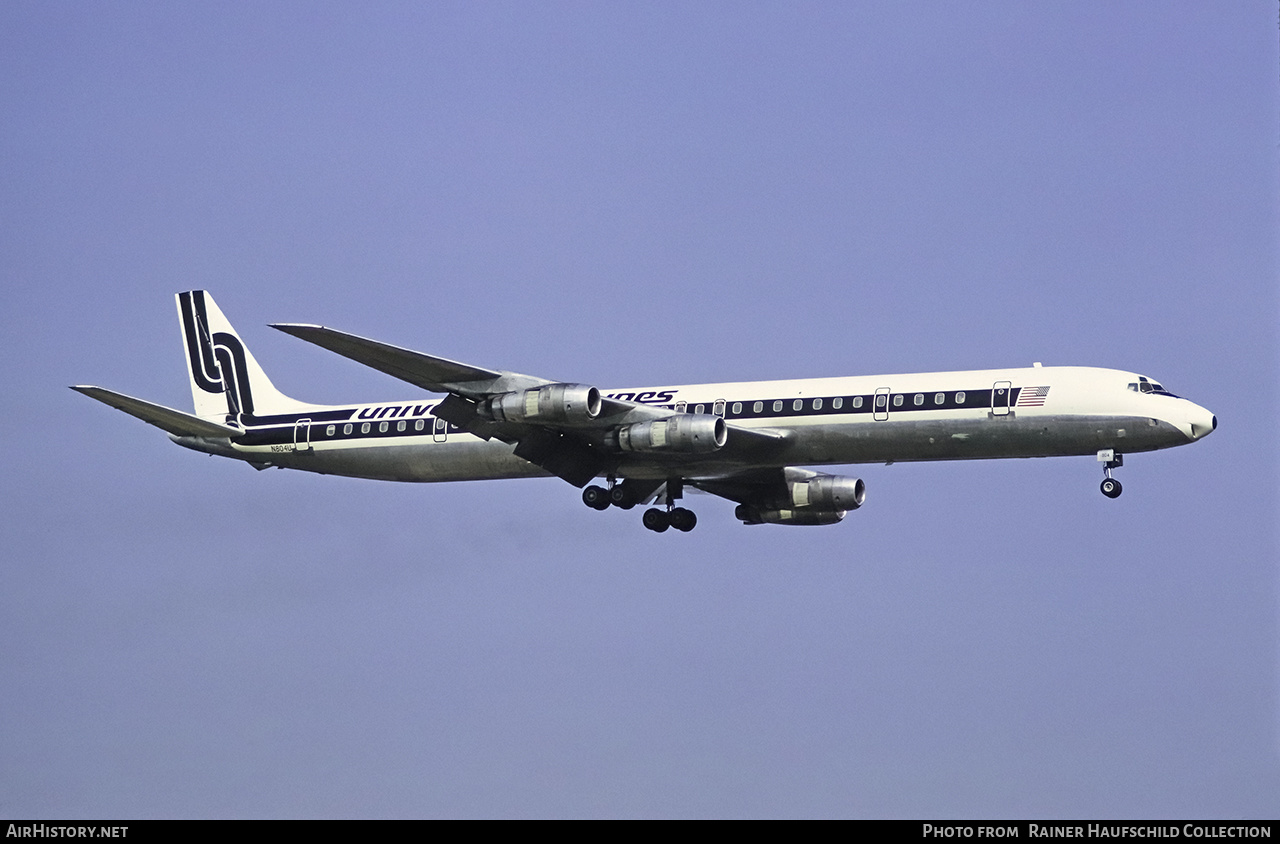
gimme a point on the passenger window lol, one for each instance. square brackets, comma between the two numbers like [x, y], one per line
[940, 398]
[328, 432]
[346, 429]
[857, 402]
[919, 399]
[797, 404]
[737, 408]
[382, 427]
[817, 404]
[681, 405]
[400, 426]
[419, 425]
[364, 429]
[837, 402]
[960, 397]
[757, 407]
[698, 408]
[897, 400]
[777, 406]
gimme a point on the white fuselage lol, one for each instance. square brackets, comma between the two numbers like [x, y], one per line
[1028, 412]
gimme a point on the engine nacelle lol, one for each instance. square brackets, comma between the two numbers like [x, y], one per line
[554, 403]
[805, 498]
[828, 492]
[687, 433]
[754, 516]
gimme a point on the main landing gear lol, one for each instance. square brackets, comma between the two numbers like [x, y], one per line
[679, 518]
[656, 519]
[1110, 460]
[596, 497]
[599, 498]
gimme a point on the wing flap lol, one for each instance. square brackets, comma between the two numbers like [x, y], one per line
[756, 438]
[564, 456]
[165, 418]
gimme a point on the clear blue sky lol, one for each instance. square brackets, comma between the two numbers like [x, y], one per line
[625, 194]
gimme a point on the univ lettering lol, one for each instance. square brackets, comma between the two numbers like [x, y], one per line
[393, 412]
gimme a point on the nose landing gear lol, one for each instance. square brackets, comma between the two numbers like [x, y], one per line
[1111, 488]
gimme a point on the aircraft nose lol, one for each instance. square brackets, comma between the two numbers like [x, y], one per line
[1202, 422]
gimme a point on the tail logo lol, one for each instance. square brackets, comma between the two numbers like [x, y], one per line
[217, 360]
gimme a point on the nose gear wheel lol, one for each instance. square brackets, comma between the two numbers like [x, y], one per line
[1111, 488]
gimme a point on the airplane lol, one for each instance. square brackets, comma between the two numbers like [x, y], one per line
[748, 442]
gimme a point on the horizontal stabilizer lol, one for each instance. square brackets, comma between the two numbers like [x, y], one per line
[165, 418]
[439, 375]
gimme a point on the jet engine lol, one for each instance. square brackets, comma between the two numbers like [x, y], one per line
[805, 498]
[554, 403]
[749, 515]
[687, 433]
[828, 492]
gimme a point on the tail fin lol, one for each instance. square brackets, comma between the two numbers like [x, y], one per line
[227, 384]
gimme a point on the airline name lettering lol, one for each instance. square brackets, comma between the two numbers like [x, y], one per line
[394, 411]
[646, 396]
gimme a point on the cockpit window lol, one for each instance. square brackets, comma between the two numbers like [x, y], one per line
[1145, 385]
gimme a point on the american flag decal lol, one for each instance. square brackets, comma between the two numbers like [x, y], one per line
[1032, 397]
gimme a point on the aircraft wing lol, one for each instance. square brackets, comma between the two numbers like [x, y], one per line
[436, 374]
[165, 418]
[576, 449]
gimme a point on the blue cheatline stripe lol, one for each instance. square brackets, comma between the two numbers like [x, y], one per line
[973, 400]
[283, 434]
[279, 429]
